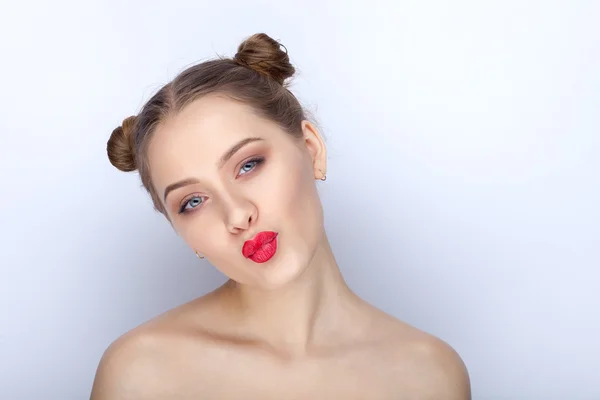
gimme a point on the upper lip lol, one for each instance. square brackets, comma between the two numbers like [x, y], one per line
[250, 246]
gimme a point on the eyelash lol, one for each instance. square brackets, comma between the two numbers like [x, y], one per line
[257, 160]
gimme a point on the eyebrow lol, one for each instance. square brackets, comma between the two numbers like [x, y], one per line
[222, 161]
[234, 149]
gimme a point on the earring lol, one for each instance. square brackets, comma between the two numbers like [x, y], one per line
[199, 256]
[324, 175]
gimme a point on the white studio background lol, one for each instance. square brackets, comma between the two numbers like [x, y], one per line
[463, 186]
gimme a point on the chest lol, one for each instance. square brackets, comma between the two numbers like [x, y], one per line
[254, 376]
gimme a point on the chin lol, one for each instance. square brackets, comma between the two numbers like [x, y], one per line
[284, 268]
[289, 263]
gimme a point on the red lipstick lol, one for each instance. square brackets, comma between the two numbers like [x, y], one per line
[261, 248]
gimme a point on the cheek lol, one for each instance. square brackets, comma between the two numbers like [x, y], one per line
[192, 234]
[299, 201]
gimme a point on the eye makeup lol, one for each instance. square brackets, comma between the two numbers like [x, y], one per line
[249, 167]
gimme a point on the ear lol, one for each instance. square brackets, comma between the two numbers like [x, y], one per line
[316, 148]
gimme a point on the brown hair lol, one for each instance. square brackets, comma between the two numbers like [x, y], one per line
[255, 76]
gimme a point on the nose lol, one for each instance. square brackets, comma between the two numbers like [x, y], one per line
[240, 214]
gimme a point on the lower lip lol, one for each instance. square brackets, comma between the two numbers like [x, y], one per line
[265, 253]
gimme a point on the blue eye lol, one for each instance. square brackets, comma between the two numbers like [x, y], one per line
[196, 201]
[251, 164]
[192, 202]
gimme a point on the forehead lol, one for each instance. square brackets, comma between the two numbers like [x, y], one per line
[191, 142]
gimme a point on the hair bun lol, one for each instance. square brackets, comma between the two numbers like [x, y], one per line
[121, 146]
[264, 55]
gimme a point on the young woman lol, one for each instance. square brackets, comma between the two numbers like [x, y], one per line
[229, 158]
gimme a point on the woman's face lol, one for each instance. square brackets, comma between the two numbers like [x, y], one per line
[229, 174]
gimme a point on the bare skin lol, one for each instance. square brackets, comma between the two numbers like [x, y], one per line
[287, 329]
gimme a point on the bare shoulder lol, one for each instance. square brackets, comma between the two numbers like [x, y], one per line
[434, 368]
[442, 371]
[418, 364]
[128, 367]
[142, 363]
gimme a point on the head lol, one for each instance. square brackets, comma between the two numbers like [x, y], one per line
[226, 151]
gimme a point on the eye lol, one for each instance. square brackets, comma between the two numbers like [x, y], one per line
[192, 202]
[251, 165]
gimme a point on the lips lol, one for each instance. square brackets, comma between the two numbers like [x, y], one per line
[260, 248]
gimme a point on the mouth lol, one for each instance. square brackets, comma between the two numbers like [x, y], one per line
[262, 247]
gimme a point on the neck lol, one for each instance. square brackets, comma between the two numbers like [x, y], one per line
[313, 310]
